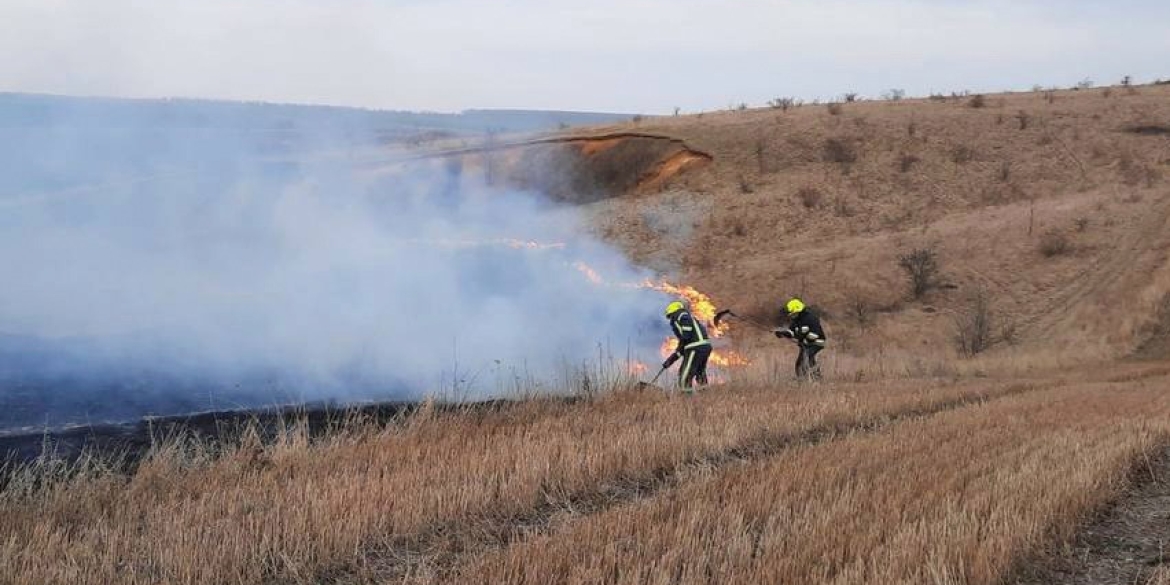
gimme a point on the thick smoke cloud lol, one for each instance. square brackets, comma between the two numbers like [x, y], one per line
[203, 272]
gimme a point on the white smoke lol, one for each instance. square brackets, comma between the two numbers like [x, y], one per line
[210, 266]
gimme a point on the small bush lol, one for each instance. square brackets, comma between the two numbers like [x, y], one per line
[850, 97]
[977, 101]
[744, 186]
[922, 269]
[937, 97]
[1054, 243]
[834, 108]
[809, 197]
[1005, 171]
[974, 325]
[1084, 84]
[962, 154]
[1022, 118]
[839, 151]
[860, 310]
[907, 162]
[1082, 224]
[842, 208]
[912, 129]
[1050, 96]
[894, 95]
[783, 104]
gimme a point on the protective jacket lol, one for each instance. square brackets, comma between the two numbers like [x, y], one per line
[690, 332]
[806, 329]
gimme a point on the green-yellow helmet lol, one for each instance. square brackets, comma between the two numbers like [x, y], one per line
[794, 306]
[674, 307]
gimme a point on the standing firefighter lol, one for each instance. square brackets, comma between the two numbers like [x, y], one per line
[694, 347]
[804, 327]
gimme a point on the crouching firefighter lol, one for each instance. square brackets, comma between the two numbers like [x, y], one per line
[804, 327]
[694, 347]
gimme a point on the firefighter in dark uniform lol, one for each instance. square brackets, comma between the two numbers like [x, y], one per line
[804, 327]
[694, 347]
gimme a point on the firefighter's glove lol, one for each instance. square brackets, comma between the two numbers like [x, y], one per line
[783, 333]
[670, 361]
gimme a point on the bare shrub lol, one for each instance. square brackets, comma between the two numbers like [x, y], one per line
[922, 269]
[744, 186]
[810, 197]
[974, 324]
[1107, 93]
[783, 104]
[1127, 81]
[937, 97]
[977, 101]
[894, 95]
[851, 97]
[842, 208]
[834, 108]
[637, 119]
[1050, 96]
[860, 310]
[912, 129]
[962, 154]
[907, 162]
[1009, 331]
[1082, 224]
[1085, 83]
[1054, 242]
[839, 151]
[1022, 118]
[1005, 171]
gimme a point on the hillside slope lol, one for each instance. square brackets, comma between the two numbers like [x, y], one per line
[1054, 205]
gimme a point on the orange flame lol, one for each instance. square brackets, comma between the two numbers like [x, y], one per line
[700, 305]
[506, 242]
[589, 273]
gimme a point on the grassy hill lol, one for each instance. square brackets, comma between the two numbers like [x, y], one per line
[1052, 206]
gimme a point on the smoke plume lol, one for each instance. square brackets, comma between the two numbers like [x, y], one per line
[151, 272]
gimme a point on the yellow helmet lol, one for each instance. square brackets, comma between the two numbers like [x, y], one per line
[673, 308]
[794, 306]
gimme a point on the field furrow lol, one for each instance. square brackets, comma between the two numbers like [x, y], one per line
[371, 498]
[953, 498]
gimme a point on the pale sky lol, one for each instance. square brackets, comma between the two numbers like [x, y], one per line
[595, 55]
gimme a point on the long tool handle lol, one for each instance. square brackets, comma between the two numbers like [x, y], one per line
[656, 376]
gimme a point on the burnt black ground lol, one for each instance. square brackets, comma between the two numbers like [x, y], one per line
[132, 439]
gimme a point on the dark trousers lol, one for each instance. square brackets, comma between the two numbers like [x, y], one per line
[694, 366]
[806, 362]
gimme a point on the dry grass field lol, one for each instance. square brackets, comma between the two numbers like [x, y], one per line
[912, 462]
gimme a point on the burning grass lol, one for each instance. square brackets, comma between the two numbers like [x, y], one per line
[296, 511]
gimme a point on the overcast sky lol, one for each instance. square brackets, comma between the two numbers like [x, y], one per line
[599, 55]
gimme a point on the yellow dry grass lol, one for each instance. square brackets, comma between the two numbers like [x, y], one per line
[954, 498]
[297, 511]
